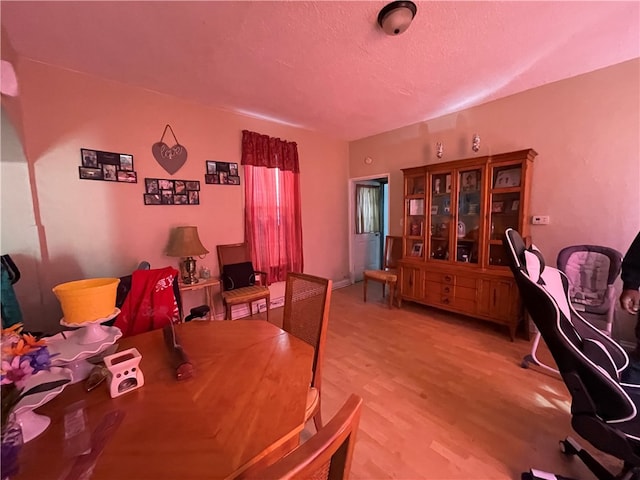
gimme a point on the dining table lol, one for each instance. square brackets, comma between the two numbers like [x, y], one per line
[245, 400]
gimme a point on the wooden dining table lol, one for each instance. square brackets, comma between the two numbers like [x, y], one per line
[246, 399]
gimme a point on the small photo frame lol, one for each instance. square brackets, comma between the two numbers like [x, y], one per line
[152, 199]
[447, 184]
[109, 172]
[87, 173]
[416, 250]
[211, 178]
[434, 209]
[497, 207]
[165, 184]
[233, 171]
[515, 206]
[192, 185]
[167, 197]
[233, 180]
[151, 185]
[180, 187]
[224, 178]
[126, 162]
[89, 159]
[127, 177]
[211, 167]
[180, 199]
[194, 197]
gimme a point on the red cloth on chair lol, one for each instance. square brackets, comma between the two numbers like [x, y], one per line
[151, 302]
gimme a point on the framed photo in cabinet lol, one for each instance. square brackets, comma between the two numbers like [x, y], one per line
[416, 250]
[497, 207]
[507, 178]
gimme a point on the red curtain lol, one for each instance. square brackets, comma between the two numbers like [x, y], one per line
[273, 222]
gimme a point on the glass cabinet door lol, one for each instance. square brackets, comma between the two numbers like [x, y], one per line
[467, 239]
[505, 211]
[414, 215]
[440, 215]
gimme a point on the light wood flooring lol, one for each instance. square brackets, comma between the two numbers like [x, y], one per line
[444, 395]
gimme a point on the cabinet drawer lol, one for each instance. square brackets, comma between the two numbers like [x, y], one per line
[439, 277]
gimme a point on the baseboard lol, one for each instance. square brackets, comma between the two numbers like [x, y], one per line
[345, 282]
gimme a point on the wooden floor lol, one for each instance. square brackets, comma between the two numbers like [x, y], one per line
[444, 395]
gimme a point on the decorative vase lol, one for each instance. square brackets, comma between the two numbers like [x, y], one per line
[11, 445]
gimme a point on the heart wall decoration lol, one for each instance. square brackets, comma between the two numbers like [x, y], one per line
[170, 158]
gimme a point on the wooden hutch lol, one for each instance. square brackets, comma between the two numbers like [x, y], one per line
[455, 214]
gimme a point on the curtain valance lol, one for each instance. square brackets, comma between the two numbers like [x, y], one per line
[264, 151]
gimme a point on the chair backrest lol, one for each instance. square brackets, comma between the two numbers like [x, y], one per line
[591, 270]
[589, 361]
[392, 252]
[306, 314]
[233, 253]
[326, 455]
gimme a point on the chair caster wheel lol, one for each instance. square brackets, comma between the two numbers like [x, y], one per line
[524, 364]
[567, 448]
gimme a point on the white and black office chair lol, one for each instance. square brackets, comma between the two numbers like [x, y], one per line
[604, 409]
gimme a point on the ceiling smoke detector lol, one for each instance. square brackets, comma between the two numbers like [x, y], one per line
[396, 17]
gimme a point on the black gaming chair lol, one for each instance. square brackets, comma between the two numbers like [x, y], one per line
[604, 410]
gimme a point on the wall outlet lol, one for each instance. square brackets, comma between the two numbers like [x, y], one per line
[540, 220]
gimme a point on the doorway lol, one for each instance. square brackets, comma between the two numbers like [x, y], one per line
[366, 250]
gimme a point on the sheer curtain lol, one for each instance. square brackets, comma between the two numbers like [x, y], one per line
[273, 222]
[367, 209]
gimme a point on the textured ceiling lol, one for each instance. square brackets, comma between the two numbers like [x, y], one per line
[326, 66]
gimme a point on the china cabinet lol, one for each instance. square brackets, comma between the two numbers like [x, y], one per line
[455, 214]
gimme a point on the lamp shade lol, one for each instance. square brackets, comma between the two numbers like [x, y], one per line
[185, 242]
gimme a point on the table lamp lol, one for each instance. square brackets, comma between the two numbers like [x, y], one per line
[185, 243]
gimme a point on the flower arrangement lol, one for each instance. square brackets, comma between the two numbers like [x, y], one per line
[22, 356]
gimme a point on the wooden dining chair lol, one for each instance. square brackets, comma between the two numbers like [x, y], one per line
[306, 316]
[388, 275]
[326, 455]
[241, 284]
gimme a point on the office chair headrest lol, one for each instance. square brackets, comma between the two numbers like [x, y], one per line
[534, 264]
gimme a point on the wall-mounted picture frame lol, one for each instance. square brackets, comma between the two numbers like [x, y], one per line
[416, 249]
[163, 191]
[221, 173]
[106, 166]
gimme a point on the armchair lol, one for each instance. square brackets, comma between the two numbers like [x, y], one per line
[238, 279]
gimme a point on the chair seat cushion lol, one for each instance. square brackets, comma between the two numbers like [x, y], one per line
[245, 294]
[382, 275]
[313, 397]
[238, 275]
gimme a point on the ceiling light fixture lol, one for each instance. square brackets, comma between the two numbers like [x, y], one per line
[396, 17]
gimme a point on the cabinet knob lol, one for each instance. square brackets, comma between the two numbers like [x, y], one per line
[447, 289]
[445, 301]
[447, 278]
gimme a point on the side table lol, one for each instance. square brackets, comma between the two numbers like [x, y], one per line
[206, 284]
